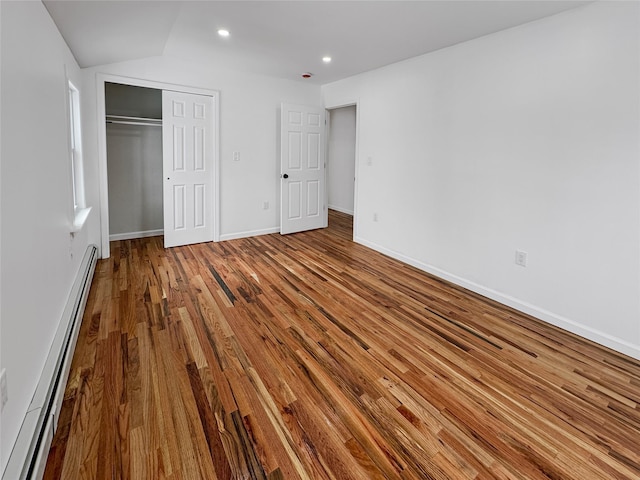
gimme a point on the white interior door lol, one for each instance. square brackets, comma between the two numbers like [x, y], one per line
[302, 164]
[188, 150]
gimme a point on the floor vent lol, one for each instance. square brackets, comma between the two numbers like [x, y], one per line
[29, 456]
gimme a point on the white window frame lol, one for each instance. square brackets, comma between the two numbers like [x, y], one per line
[80, 210]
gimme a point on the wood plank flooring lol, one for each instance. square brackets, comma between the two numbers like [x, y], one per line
[308, 356]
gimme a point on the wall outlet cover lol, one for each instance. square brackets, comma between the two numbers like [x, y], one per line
[521, 258]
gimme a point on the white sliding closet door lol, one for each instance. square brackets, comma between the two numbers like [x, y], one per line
[188, 165]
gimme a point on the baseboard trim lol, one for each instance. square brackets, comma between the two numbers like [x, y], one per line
[29, 455]
[132, 235]
[559, 321]
[249, 233]
[341, 210]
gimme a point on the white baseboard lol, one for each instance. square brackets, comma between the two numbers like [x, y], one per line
[131, 235]
[589, 333]
[341, 210]
[249, 233]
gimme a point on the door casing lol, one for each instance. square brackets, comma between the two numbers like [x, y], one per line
[328, 108]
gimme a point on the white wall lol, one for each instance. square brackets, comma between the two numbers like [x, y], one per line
[249, 119]
[341, 159]
[524, 139]
[39, 257]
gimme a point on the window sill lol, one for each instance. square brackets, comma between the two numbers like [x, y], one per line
[80, 219]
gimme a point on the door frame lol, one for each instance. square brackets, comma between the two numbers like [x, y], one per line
[101, 79]
[328, 108]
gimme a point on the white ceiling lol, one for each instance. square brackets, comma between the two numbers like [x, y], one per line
[284, 38]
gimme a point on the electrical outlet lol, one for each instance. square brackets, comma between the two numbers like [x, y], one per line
[4, 391]
[369, 161]
[236, 156]
[375, 217]
[265, 205]
[521, 258]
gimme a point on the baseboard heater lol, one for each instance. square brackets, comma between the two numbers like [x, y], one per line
[29, 455]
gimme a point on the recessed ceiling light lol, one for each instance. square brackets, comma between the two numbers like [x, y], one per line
[326, 59]
[223, 33]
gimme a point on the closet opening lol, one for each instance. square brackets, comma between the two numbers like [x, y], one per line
[134, 160]
[158, 157]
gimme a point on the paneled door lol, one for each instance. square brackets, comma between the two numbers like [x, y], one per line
[302, 169]
[187, 146]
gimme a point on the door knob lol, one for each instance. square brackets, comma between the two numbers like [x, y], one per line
[286, 175]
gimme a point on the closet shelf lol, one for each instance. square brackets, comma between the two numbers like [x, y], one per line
[124, 120]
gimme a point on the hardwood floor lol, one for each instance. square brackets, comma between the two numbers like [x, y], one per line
[309, 356]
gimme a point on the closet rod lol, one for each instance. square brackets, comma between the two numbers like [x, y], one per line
[123, 122]
[136, 119]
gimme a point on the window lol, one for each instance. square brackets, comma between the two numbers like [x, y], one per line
[76, 147]
[80, 210]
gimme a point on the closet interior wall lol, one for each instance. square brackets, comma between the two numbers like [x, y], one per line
[134, 160]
